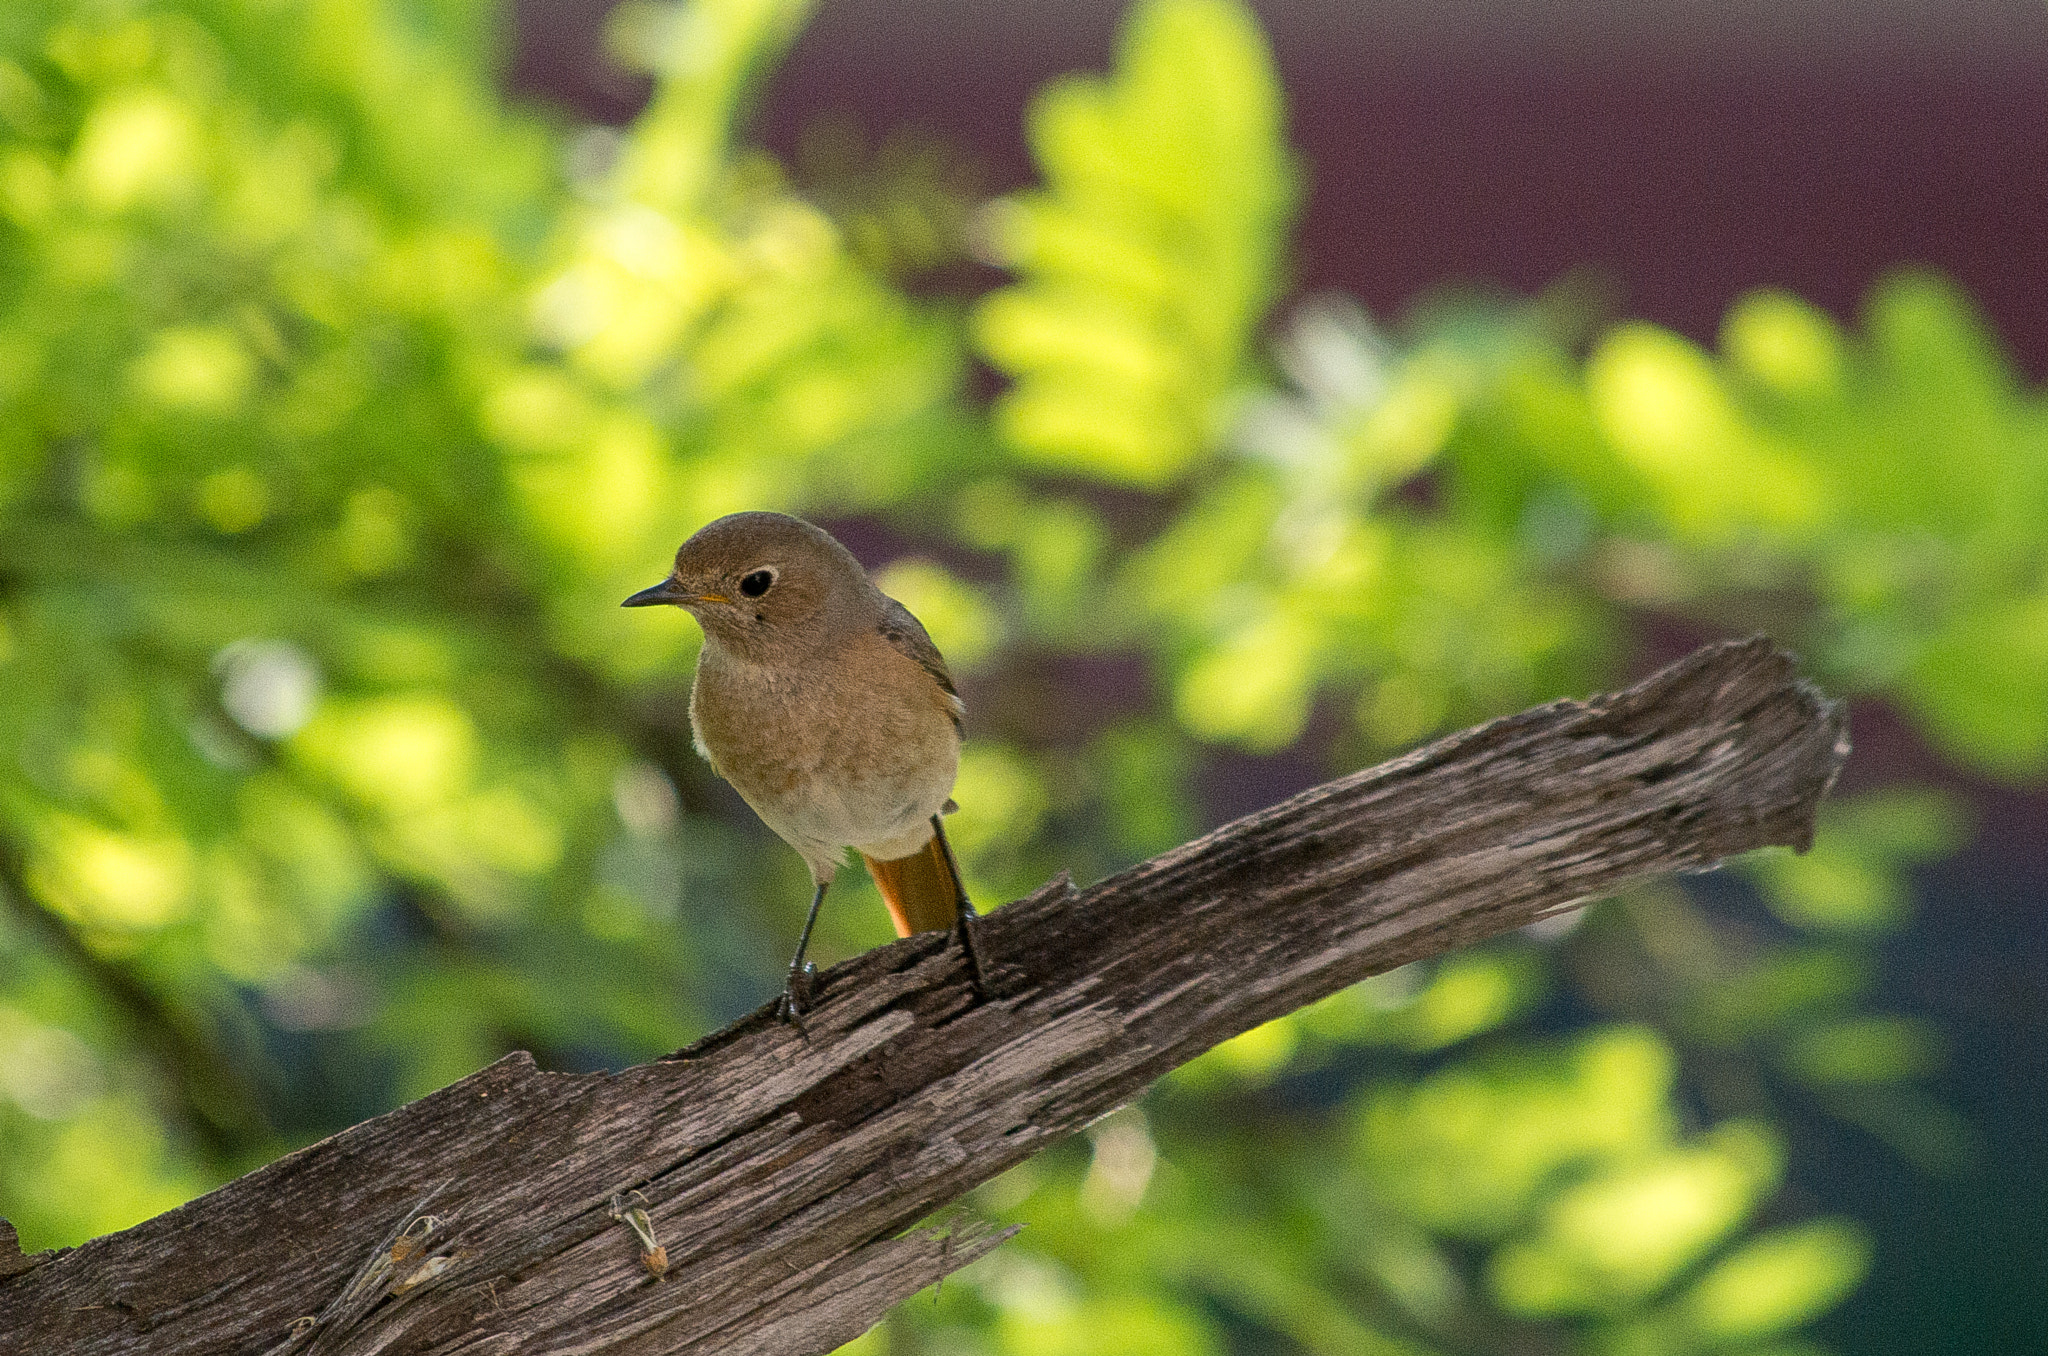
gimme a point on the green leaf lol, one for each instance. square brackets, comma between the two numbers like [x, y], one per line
[1616, 1239]
[1470, 993]
[1981, 685]
[1470, 1151]
[1864, 1050]
[710, 57]
[1785, 343]
[1669, 412]
[1778, 1281]
[1151, 255]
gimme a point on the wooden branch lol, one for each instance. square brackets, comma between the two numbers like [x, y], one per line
[780, 1170]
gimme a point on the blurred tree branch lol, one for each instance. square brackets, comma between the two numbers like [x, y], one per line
[780, 1168]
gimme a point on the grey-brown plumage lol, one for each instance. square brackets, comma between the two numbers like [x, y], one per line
[826, 705]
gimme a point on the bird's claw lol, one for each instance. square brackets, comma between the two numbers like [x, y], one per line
[963, 931]
[797, 993]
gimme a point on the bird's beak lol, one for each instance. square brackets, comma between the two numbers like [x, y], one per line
[666, 591]
[669, 591]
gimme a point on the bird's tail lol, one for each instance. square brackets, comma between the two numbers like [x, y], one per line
[918, 889]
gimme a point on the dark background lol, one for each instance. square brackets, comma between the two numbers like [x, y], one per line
[1689, 151]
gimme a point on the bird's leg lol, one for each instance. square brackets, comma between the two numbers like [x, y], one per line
[796, 991]
[964, 926]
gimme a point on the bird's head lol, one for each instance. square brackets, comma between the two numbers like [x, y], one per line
[766, 584]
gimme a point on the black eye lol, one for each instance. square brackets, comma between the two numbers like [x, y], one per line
[756, 584]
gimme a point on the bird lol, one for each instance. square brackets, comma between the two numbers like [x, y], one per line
[826, 705]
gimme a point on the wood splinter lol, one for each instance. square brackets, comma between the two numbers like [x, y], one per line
[653, 1256]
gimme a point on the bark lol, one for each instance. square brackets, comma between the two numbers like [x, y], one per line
[782, 1170]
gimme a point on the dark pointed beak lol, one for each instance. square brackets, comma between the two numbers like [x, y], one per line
[666, 591]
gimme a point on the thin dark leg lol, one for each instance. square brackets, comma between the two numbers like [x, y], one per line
[796, 991]
[965, 925]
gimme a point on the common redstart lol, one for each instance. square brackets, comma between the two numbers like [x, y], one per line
[830, 711]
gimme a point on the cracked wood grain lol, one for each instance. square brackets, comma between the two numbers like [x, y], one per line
[783, 1170]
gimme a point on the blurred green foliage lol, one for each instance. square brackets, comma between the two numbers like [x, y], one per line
[1151, 257]
[341, 402]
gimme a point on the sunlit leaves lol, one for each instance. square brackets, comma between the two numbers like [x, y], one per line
[1778, 1281]
[591, 475]
[1782, 342]
[100, 1163]
[1981, 683]
[1468, 994]
[201, 370]
[1255, 687]
[724, 348]
[399, 752]
[106, 880]
[1152, 253]
[1098, 1328]
[1422, 1008]
[1664, 408]
[641, 281]
[1470, 1150]
[999, 791]
[1613, 1240]
[1900, 474]
[252, 261]
[710, 57]
[1363, 417]
[138, 146]
[1296, 575]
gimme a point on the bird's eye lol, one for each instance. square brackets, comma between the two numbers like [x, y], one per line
[756, 584]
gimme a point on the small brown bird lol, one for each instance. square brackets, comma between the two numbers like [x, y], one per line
[830, 711]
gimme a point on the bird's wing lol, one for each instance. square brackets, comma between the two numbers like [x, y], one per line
[907, 635]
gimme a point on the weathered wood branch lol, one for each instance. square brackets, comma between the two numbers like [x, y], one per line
[781, 1169]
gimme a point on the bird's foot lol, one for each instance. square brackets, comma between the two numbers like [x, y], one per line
[797, 993]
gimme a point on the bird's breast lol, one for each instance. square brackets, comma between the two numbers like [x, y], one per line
[829, 755]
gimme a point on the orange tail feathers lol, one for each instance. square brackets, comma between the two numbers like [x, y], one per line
[918, 889]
